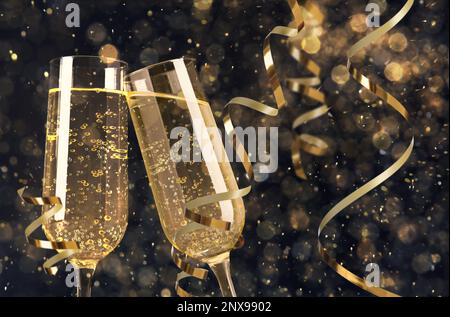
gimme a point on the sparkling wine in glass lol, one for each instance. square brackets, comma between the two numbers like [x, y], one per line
[86, 158]
[168, 106]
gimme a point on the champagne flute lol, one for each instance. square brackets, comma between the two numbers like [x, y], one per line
[86, 158]
[166, 100]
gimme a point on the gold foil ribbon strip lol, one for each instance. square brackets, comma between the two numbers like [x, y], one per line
[210, 199]
[65, 248]
[187, 270]
[391, 170]
[280, 100]
[305, 87]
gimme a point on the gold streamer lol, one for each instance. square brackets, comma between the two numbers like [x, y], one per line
[308, 143]
[352, 197]
[210, 199]
[306, 88]
[184, 263]
[65, 248]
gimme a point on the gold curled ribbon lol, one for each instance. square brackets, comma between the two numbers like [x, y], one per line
[391, 170]
[188, 270]
[206, 200]
[65, 248]
[306, 88]
[280, 101]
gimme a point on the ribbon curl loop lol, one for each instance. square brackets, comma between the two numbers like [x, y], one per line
[65, 248]
[391, 170]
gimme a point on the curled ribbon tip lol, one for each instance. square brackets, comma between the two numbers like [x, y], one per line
[189, 268]
[391, 170]
[65, 248]
[181, 260]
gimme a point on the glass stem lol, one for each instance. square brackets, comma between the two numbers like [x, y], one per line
[222, 272]
[84, 282]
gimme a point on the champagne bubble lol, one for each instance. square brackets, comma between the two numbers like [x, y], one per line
[435, 258]
[165, 292]
[364, 121]
[209, 73]
[393, 71]
[142, 30]
[422, 263]
[96, 33]
[162, 44]
[266, 230]
[301, 250]
[381, 140]
[311, 44]
[6, 231]
[146, 277]
[435, 83]
[298, 219]
[108, 52]
[366, 250]
[398, 42]
[215, 53]
[202, 5]
[390, 125]
[148, 56]
[420, 66]
[407, 233]
[272, 252]
[366, 95]
[340, 74]
[358, 23]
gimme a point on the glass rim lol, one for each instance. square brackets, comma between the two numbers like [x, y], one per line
[122, 63]
[186, 58]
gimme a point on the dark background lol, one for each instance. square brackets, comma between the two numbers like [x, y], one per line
[402, 226]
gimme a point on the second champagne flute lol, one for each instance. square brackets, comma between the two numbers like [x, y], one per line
[169, 113]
